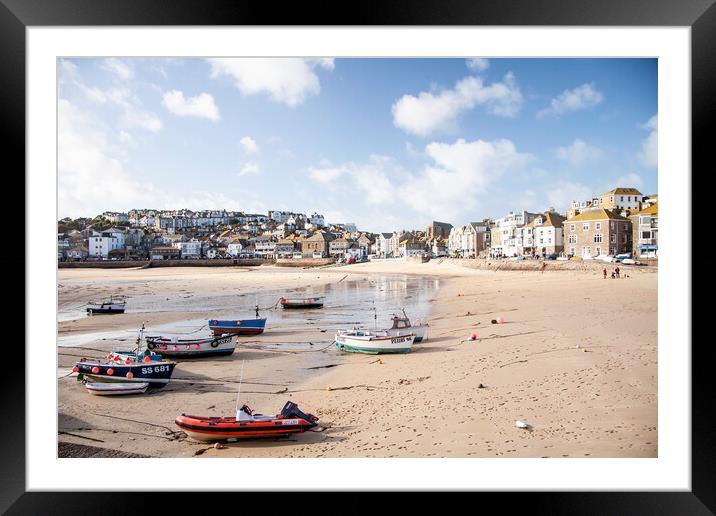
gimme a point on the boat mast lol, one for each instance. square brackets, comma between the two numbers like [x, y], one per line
[238, 395]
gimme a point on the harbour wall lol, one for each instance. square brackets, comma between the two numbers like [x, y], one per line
[124, 264]
[305, 262]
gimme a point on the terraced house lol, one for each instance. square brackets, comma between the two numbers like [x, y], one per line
[597, 231]
[545, 234]
[646, 232]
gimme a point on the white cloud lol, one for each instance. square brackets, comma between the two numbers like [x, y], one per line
[579, 152]
[126, 138]
[201, 106]
[326, 174]
[447, 189]
[429, 112]
[478, 64]
[132, 114]
[119, 68]
[134, 117]
[560, 195]
[649, 155]
[249, 144]
[286, 80]
[462, 172]
[248, 169]
[90, 168]
[630, 180]
[581, 97]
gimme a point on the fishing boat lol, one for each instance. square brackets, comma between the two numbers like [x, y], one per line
[247, 424]
[373, 342]
[308, 302]
[402, 326]
[109, 306]
[186, 348]
[238, 326]
[133, 366]
[116, 389]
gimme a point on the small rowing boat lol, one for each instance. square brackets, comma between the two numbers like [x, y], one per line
[373, 342]
[109, 306]
[187, 348]
[247, 424]
[309, 302]
[116, 389]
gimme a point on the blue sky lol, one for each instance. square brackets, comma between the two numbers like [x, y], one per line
[384, 143]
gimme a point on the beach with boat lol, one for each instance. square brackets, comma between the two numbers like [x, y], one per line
[483, 351]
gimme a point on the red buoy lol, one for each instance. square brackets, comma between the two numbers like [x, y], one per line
[146, 359]
[95, 369]
[130, 375]
[75, 369]
[110, 371]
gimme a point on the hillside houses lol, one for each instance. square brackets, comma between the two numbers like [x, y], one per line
[621, 220]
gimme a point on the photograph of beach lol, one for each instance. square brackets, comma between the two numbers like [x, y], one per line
[357, 258]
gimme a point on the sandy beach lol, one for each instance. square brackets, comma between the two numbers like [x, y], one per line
[576, 358]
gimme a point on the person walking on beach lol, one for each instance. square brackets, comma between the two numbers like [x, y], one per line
[617, 271]
[605, 272]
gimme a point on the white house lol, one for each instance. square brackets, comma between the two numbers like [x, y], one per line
[190, 250]
[99, 245]
[234, 248]
[507, 237]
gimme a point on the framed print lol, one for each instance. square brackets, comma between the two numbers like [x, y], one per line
[413, 250]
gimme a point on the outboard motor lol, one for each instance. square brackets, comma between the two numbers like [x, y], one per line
[291, 410]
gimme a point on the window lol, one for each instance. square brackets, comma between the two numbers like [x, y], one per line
[572, 239]
[572, 227]
[571, 250]
[597, 251]
[597, 238]
[613, 239]
[597, 226]
[626, 227]
[624, 239]
[585, 226]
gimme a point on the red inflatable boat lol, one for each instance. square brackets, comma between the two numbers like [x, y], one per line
[247, 424]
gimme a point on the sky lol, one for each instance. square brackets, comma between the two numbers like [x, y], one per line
[384, 143]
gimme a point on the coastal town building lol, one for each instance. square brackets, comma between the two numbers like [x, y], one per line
[337, 248]
[100, 244]
[592, 227]
[190, 250]
[470, 240]
[645, 224]
[164, 252]
[382, 244]
[506, 237]
[316, 246]
[628, 199]
[545, 234]
[596, 232]
[438, 230]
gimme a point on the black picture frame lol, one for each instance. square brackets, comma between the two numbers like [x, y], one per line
[700, 15]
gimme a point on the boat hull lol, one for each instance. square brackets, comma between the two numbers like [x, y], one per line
[153, 372]
[104, 389]
[192, 348]
[238, 327]
[219, 429]
[105, 310]
[313, 302]
[375, 346]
